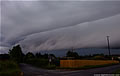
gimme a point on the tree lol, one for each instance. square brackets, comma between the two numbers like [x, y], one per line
[16, 54]
[29, 55]
[45, 56]
[72, 54]
[38, 55]
[52, 55]
[4, 56]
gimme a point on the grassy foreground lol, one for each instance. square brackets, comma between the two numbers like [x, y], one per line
[117, 71]
[9, 68]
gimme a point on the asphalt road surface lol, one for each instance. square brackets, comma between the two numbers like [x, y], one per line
[29, 70]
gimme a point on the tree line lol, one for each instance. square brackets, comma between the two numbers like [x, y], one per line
[17, 55]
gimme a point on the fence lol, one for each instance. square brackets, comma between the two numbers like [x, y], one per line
[81, 63]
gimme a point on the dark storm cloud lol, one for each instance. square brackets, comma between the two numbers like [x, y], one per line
[47, 25]
[85, 35]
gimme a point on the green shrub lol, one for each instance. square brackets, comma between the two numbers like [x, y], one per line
[38, 62]
[117, 71]
[9, 68]
[52, 66]
[56, 62]
[42, 63]
[12, 72]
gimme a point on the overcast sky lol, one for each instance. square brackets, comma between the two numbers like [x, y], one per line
[50, 25]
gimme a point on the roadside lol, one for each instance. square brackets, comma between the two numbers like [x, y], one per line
[117, 71]
[34, 71]
[9, 68]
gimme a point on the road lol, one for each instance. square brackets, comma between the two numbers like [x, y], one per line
[29, 70]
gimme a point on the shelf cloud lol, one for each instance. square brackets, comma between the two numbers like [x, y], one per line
[51, 25]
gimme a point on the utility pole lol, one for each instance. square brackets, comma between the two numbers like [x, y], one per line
[108, 42]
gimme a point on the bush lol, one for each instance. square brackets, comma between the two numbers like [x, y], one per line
[52, 66]
[99, 58]
[56, 62]
[9, 68]
[117, 71]
[38, 62]
[12, 72]
[42, 63]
